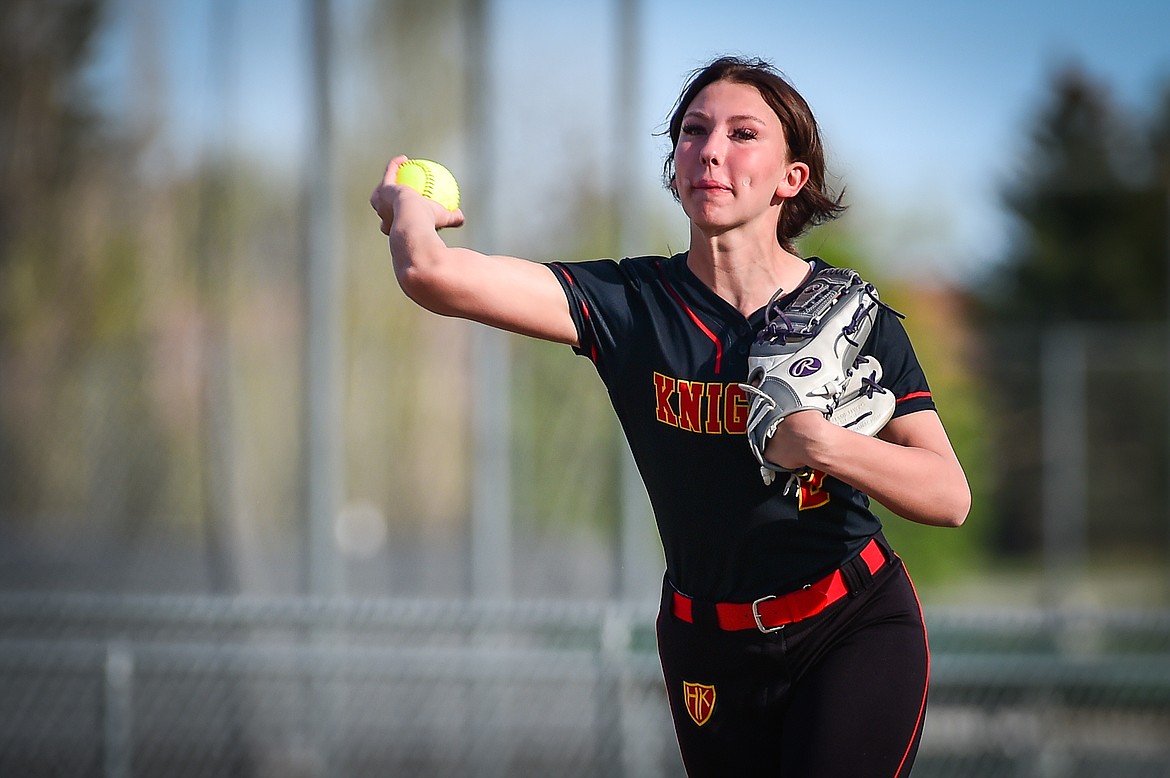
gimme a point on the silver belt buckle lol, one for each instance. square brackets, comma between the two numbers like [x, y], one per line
[756, 613]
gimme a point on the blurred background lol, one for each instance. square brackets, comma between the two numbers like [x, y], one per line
[259, 515]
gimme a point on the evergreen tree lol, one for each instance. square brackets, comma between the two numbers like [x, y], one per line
[1088, 211]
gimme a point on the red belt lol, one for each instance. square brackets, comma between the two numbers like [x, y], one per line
[770, 613]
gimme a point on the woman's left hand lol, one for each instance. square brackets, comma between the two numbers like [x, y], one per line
[910, 467]
[793, 443]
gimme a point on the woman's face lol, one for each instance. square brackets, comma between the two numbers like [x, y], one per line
[731, 160]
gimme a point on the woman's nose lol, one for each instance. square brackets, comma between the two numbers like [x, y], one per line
[710, 153]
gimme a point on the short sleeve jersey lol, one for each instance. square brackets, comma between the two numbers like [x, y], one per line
[672, 354]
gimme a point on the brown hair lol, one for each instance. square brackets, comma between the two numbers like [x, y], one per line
[813, 204]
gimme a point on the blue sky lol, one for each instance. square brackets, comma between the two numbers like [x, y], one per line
[923, 104]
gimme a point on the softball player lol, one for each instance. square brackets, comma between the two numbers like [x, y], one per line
[791, 639]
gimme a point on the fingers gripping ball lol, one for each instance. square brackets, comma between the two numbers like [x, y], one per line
[431, 180]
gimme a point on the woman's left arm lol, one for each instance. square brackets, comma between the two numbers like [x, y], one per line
[910, 467]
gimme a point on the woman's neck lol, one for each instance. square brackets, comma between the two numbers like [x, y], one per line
[744, 274]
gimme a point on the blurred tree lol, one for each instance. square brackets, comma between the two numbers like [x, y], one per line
[1159, 140]
[122, 279]
[1089, 246]
[46, 128]
[1088, 209]
[44, 116]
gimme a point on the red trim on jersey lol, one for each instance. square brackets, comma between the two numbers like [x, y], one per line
[695, 318]
[913, 396]
[584, 312]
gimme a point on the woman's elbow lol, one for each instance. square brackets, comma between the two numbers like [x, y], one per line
[415, 283]
[946, 505]
[424, 284]
[953, 520]
[956, 508]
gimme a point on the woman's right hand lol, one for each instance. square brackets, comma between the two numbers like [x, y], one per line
[390, 198]
[506, 292]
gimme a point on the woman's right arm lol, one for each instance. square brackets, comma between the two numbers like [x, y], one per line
[506, 292]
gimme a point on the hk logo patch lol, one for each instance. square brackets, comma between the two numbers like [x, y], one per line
[700, 701]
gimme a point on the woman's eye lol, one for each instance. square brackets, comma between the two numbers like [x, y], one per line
[692, 129]
[743, 133]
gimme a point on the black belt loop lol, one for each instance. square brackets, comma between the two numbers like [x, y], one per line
[880, 537]
[856, 572]
[703, 614]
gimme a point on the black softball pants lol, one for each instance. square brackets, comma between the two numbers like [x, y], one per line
[839, 695]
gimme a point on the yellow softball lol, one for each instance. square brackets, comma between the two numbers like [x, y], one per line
[430, 179]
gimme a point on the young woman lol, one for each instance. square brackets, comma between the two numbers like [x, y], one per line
[791, 639]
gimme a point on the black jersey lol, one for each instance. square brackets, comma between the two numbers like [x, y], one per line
[671, 354]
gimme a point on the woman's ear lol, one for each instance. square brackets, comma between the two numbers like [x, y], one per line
[793, 181]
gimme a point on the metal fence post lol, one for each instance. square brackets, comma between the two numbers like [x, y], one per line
[118, 710]
[1064, 435]
[613, 656]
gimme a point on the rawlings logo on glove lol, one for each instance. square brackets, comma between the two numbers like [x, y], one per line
[808, 357]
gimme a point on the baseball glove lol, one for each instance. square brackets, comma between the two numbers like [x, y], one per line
[865, 405]
[807, 357]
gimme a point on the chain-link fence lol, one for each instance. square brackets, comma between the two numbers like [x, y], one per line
[194, 686]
